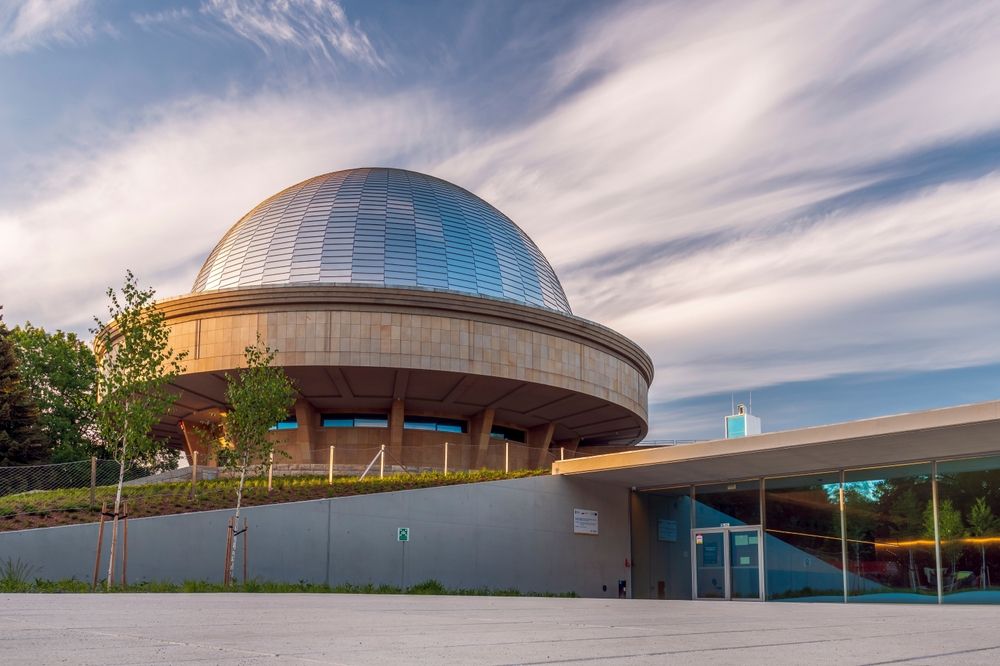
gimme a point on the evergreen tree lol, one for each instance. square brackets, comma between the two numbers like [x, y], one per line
[21, 442]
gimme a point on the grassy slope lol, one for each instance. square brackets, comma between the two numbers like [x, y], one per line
[71, 506]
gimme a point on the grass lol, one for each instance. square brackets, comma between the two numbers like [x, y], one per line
[72, 505]
[15, 577]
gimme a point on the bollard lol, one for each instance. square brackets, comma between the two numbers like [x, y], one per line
[446, 458]
[329, 476]
[381, 462]
[506, 457]
[93, 480]
[194, 472]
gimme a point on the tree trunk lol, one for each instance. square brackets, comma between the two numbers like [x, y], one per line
[114, 525]
[236, 525]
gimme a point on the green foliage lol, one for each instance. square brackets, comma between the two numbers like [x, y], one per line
[72, 505]
[21, 583]
[21, 440]
[59, 372]
[259, 396]
[135, 367]
[14, 576]
[982, 521]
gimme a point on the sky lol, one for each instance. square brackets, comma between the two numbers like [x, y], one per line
[794, 202]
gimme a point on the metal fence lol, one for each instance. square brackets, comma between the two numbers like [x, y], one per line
[76, 474]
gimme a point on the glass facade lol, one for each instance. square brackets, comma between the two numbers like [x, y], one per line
[727, 504]
[969, 528]
[803, 550]
[387, 227]
[914, 533]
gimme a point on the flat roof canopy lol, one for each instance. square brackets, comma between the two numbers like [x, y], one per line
[953, 432]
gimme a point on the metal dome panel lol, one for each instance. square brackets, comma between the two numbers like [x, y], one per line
[386, 227]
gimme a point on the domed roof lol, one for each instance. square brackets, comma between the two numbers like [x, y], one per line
[386, 227]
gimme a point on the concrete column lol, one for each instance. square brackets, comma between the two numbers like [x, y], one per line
[540, 438]
[305, 434]
[396, 416]
[193, 442]
[479, 435]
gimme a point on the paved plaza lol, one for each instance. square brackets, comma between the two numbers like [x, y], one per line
[373, 629]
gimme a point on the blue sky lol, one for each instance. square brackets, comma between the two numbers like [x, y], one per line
[801, 200]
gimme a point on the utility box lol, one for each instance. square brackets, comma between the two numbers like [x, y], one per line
[742, 423]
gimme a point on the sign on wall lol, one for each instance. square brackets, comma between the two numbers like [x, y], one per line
[402, 534]
[666, 530]
[584, 521]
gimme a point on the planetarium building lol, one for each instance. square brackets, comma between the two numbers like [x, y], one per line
[412, 314]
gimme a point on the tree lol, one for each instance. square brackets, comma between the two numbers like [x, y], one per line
[21, 442]
[135, 367]
[60, 371]
[950, 530]
[983, 524]
[259, 396]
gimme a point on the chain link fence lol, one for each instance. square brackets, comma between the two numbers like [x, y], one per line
[77, 474]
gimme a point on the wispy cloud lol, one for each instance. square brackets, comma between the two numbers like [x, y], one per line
[29, 24]
[757, 193]
[319, 27]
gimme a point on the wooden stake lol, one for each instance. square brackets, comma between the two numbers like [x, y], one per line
[270, 468]
[229, 545]
[446, 458]
[100, 540]
[329, 476]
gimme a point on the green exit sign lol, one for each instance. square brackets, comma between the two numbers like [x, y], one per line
[402, 534]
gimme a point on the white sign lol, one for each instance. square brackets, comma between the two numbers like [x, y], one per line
[584, 521]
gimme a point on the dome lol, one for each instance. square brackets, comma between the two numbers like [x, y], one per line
[383, 227]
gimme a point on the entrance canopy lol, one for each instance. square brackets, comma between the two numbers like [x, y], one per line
[953, 432]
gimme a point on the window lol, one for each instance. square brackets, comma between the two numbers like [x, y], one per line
[510, 434]
[287, 424]
[355, 421]
[434, 424]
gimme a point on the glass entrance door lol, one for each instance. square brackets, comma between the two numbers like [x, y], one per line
[744, 563]
[726, 563]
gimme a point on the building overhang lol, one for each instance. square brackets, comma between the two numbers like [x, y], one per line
[952, 432]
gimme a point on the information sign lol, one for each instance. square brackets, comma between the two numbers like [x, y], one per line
[402, 534]
[584, 521]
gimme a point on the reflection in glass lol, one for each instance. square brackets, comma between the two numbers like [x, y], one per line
[889, 520]
[969, 526]
[710, 565]
[744, 564]
[668, 516]
[803, 552]
[733, 503]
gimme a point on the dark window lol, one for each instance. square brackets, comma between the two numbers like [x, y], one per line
[510, 434]
[432, 423]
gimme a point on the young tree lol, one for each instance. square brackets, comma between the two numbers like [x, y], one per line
[21, 442]
[982, 524]
[59, 371]
[135, 367]
[259, 396]
[950, 531]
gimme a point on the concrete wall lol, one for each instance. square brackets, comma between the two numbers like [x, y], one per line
[503, 534]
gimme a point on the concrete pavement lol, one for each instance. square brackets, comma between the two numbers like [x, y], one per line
[375, 629]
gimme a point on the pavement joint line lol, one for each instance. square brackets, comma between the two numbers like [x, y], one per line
[933, 656]
[725, 648]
